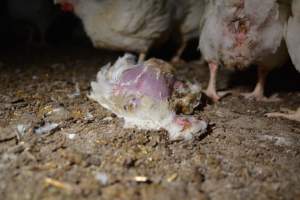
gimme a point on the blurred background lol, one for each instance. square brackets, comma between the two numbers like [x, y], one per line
[25, 26]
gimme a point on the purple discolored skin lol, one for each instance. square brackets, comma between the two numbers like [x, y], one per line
[146, 81]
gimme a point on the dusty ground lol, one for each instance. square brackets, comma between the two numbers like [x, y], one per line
[244, 155]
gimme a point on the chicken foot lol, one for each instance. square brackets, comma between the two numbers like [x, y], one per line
[291, 115]
[211, 89]
[258, 92]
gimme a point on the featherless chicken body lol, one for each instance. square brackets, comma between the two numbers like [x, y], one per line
[148, 96]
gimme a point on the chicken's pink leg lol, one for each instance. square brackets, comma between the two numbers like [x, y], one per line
[211, 89]
[142, 57]
[258, 92]
[177, 57]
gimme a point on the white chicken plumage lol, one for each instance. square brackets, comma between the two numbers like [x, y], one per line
[238, 33]
[293, 45]
[147, 96]
[133, 25]
[292, 35]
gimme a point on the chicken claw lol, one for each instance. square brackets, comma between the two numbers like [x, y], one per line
[258, 92]
[211, 90]
[291, 115]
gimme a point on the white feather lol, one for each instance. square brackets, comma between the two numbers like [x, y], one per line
[293, 34]
[151, 114]
[133, 25]
[266, 31]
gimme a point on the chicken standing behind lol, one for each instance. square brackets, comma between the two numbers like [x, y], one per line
[239, 33]
[293, 44]
[188, 17]
[132, 25]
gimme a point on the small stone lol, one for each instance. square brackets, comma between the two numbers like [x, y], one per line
[71, 136]
[107, 119]
[22, 129]
[88, 117]
[141, 179]
[102, 178]
[46, 128]
[172, 177]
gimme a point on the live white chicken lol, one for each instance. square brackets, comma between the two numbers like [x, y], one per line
[188, 17]
[293, 44]
[239, 33]
[132, 25]
[147, 96]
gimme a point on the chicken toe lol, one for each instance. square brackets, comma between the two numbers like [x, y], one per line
[258, 92]
[211, 90]
[294, 115]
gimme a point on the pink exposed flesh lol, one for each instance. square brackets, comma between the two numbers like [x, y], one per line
[240, 38]
[148, 82]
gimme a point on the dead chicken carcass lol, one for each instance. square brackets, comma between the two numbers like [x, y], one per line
[132, 25]
[147, 96]
[239, 33]
[293, 45]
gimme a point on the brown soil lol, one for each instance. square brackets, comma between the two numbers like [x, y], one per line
[90, 156]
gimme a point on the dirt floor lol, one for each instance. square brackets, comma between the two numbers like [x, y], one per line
[89, 155]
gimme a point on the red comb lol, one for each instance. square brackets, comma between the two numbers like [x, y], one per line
[67, 7]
